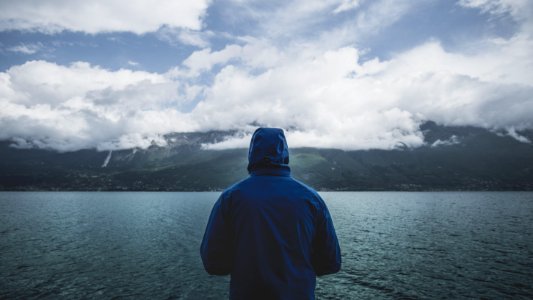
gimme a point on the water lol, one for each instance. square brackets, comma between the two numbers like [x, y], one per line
[145, 245]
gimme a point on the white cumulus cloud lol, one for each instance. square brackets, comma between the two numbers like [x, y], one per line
[139, 16]
[82, 106]
[322, 98]
[333, 99]
[323, 94]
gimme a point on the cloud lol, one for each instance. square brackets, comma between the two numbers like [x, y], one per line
[287, 21]
[347, 5]
[330, 98]
[82, 106]
[380, 14]
[520, 10]
[336, 23]
[204, 60]
[255, 54]
[175, 36]
[333, 99]
[323, 94]
[515, 135]
[453, 140]
[495, 6]
[93, 17]
[27, 49]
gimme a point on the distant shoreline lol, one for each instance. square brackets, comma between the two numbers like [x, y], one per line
[221, 190]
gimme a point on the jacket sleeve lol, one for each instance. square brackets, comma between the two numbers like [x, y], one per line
[326, 257]
[216, 248]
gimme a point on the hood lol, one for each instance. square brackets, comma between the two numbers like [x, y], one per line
[268, 150]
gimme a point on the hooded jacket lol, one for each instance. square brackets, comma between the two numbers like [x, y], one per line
[273, 234]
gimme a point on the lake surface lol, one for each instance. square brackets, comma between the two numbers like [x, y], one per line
[146, 245]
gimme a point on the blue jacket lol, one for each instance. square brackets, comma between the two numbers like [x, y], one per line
[273, 234]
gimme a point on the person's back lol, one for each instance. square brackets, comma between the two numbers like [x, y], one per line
[273, 234]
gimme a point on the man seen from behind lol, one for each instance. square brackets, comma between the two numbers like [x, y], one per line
[271, 233]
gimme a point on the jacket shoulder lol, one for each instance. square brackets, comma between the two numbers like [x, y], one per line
[308, 189]
[302, 188]
[234, 187]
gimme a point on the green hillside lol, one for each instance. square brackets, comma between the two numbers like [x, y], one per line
[454, 158]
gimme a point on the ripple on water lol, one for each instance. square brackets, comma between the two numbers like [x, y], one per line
[145, 245]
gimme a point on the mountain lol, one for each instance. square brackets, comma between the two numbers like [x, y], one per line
[453, 158]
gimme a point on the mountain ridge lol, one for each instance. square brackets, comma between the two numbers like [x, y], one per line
[453, 158]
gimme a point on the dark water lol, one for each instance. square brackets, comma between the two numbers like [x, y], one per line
[145, 245]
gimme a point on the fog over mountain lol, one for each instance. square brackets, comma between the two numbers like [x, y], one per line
[348, 75]
[451, 158]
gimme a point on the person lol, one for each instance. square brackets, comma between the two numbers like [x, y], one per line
[273, 234]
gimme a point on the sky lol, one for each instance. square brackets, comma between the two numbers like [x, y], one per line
[346, 74]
